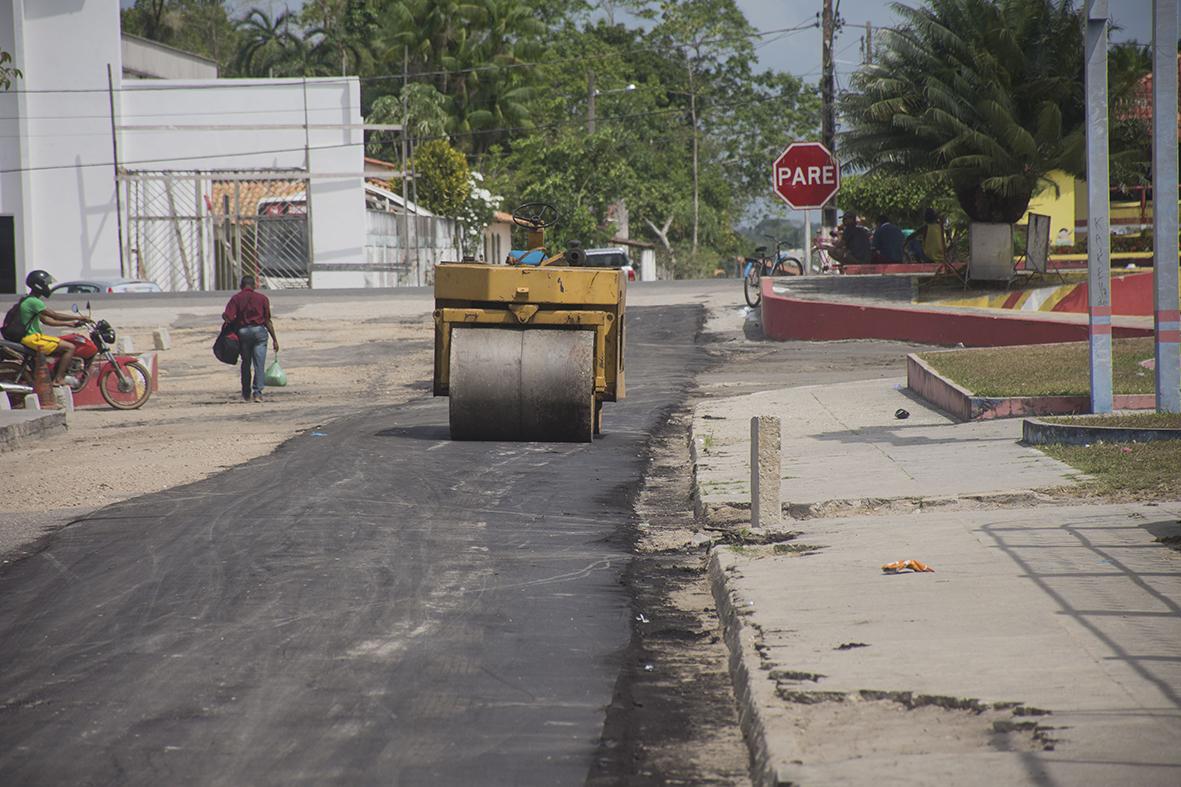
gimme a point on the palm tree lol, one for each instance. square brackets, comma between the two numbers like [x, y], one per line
[985, 93]
[493, 99]
[268, 45]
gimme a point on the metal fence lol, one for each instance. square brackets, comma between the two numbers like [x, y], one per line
[203, 230]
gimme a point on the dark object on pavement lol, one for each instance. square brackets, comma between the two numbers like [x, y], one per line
[901, 414]
[851, 645]
[225, 349]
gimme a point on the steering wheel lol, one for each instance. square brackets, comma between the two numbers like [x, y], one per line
[535, 215]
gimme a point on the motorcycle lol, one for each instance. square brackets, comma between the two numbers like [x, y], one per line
[124, 382]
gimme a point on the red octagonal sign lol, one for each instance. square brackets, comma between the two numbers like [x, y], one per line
[806, 175]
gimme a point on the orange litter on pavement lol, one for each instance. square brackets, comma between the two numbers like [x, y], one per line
[902, 566]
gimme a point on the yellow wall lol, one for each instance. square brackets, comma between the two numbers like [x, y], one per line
[1058, 205]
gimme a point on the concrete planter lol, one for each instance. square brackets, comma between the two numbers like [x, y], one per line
[966, 406]
[1037, 432]
[990, 251]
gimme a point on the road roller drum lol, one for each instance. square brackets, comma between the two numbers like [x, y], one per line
[517, 384]
[528, 353]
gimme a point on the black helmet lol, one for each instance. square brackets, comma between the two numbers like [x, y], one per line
[39, 282]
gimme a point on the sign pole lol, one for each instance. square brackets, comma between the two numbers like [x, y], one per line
[1098, 207]
[807, 241]
[1166, 315]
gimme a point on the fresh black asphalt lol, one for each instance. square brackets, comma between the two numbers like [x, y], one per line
[370, 604]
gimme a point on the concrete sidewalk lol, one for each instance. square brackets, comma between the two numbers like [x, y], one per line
[17, 426]
[1045, 648]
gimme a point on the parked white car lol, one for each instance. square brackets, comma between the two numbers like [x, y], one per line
[613, 257]
[97, 286]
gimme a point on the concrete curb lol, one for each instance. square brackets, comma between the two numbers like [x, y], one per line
[16, 426]
[1035, 432]
[960, 403]
[744, 666]
[786, 318]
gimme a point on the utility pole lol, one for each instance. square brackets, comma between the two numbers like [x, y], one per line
[869, 43]
[827, 110]
[405, 169]
[590, 102]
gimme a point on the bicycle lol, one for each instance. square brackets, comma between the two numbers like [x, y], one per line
[821, 259]
[755, 268]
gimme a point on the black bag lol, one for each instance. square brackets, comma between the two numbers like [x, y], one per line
[225, 349]
[13, 329]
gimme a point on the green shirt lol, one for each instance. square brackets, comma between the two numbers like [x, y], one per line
[30, 314]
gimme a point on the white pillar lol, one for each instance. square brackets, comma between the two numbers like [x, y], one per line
[1167, 317]
[765, 505]
[1098, 208]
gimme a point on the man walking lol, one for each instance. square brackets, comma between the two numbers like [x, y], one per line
[249, 314]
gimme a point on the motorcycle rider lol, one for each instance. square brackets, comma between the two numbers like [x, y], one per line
[33, 313]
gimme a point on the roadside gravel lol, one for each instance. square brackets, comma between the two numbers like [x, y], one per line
[197, 425]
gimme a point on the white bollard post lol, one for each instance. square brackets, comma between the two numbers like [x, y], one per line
[765, 505]
[4, 403]
[125, 345]
[32, 402]
[65, 397]
[161, 340]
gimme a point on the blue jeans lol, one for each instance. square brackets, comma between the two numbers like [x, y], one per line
[252, 344]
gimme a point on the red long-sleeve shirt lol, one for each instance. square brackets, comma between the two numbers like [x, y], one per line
[247, 307]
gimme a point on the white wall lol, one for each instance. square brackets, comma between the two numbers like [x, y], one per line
[64, 205]
[56, 161]
[151, 60]
[191, 108]
[11, 180]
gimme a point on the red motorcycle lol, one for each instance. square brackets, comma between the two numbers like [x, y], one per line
[123, 381]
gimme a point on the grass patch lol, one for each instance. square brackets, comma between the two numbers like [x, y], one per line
[1045, 369]
[1122, 420]
[1125, 470]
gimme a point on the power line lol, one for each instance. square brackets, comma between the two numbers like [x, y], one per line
[300, 149]
[746, 101]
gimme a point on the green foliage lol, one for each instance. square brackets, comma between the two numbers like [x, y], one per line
[1130, 136]
[426, 117]
[903, 199]
[506, 83]
[985, 93]
[203, 27]
[443, 179]
[8, 73]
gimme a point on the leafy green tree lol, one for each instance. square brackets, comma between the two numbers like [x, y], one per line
[901, 198]
[984, 93]
[425, 118]
[148, 19]
[443, 177]
[203, 27]
[1130, 131]
[712, 37]
[342, 31]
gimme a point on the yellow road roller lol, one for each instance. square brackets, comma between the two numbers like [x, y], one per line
[529, 350]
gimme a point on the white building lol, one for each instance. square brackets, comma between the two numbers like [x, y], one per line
[190, 156]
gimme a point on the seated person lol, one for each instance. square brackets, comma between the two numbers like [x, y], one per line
[887, 242]
[33, 313]
[927, 243]
[852, 245]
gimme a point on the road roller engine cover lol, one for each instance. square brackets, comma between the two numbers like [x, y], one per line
[529, 350]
